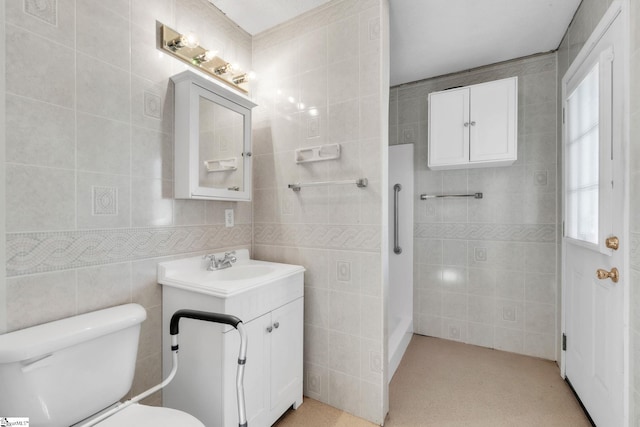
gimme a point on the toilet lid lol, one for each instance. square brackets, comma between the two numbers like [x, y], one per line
[150, 416]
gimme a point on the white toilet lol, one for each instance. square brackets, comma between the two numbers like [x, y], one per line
[63, 373]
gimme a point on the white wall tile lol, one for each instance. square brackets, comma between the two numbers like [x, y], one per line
[316, 307]
[103, 201]
[52, 19]
[152, 202]
[51, 78]
[316, 345]
[102, 89]
[103, 286]
[344, 353]
[51, 143]
[100, 32]
[40, 298]
[103, 145]
[151, 153]
[40, 198]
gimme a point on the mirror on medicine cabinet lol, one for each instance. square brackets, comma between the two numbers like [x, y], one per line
[212, 140]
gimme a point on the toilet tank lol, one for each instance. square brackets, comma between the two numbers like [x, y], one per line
[61, 372]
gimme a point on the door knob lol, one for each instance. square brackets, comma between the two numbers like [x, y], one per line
[612, 243]
[614, 274]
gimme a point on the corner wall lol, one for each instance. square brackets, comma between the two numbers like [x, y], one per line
[321, 82]
[484, 270]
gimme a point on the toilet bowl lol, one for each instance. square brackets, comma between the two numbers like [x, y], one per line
[62, 373]
[150, 416]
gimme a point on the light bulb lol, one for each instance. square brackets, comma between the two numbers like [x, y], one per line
[209, 55]
[190, 40]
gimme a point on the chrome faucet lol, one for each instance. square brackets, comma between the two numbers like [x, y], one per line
[219, 264]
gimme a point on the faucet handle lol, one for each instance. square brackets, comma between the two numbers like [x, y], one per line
[210, 257]
[231, 256]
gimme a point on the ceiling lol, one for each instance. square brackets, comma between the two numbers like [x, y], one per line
[435, 37]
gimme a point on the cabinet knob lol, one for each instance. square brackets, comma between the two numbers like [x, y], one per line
[276, 325]
[473, 123]
[466, 124]
[269, 329]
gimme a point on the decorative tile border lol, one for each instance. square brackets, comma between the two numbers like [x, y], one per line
[29, 253]
[506, 232]
[322, 236]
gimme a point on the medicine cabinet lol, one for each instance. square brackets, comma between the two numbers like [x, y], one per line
[212, 140]
[474, 126]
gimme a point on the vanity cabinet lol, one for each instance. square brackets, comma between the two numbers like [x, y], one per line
[271, 309]
[474, 126]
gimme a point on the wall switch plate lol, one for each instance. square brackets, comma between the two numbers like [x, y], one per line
[228, 218]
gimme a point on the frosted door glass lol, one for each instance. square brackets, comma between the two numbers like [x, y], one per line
[582, 153]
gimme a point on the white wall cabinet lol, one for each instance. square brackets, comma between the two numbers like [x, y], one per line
[474, 126]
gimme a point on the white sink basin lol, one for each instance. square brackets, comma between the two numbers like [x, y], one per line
[243, 275]
[242, 272]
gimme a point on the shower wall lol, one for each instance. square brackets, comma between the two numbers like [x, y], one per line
[89, 160]
[485, 269]
[320, 82]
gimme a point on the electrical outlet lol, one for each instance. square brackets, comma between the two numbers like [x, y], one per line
[228, 218]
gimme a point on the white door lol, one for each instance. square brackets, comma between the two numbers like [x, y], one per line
[286, 348]
[493, 121]
[594, 212]
[448, 127]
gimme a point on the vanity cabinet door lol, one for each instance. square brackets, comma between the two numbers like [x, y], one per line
[256, 373]
[286, 352]
[273, 372]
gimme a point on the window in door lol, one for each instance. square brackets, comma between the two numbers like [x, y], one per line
[583, 166]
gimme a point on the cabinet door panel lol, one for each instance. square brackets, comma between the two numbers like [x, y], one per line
[256, 374]
[493, 121]
[448, 135]
[286, 351]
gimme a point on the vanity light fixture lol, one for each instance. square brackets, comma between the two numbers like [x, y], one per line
[186, 47]
[244, 78]
[189, 40]
[205, 57]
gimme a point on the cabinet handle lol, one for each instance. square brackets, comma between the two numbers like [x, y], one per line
[276, 325]
[269, 329]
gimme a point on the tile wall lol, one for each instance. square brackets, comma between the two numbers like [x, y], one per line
[320, 83]
[485, 269]
[89, 160]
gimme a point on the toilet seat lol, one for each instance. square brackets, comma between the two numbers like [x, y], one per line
[150, 416]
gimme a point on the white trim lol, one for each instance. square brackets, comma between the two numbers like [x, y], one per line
[3, 144]
[626, 142]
